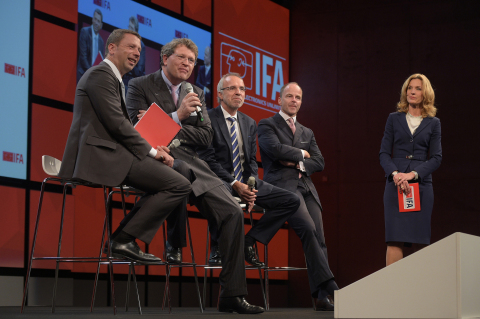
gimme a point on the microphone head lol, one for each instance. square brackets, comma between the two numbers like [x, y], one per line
[188, 87]
[251, 182]
[175, 143]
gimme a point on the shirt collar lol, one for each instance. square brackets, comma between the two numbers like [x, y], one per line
[114, 68]
[227, 115]
[169, 84]
[286, 117]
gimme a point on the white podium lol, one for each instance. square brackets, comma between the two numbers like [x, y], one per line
[440, 281]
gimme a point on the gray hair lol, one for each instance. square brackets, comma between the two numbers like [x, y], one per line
[220, 83]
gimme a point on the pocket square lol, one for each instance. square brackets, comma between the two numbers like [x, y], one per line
[304, 142]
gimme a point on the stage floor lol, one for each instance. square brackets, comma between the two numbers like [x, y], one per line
[180, 312]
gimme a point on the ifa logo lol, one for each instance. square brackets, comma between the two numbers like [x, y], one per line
[102, 3]
[261, 71]
[12, 157]
[180, 34]
[14, 70]
[144, 20]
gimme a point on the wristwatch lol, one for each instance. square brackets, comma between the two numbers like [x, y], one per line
[416, 175]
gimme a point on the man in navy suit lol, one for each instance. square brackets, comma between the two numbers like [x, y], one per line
[232, 156]
[204, 77]
[90, 43]
[290, 156]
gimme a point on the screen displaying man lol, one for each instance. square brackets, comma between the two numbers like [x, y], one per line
[139, 69]
[168, 88]
[290, 155]
[104, 148]
[204, 77]
[90, 44]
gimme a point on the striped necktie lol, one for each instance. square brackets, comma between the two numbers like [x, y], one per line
[237, 167]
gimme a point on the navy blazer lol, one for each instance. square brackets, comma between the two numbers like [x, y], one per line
[85, 50]
[422, 151]
[277, 143]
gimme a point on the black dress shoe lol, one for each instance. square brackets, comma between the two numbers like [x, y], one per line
[173, 255]
[239, 305]
[215, 257]
[250, 257]
[133, 252]
[105, 250]
[325, 304]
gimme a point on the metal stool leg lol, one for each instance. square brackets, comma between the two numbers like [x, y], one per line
[40, 201]
[206, 270]
[59, 247]
[194, 266]
[110, 264]
[94, 294]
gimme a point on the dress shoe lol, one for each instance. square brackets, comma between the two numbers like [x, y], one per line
[239, 305]
[105, 250]
[173, 255]
[133, 252]
[325, 304]
[250, 257]
[215, 257]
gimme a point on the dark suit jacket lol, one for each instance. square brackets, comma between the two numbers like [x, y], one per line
[277, 143]
[205, 80]
[145, 90]
[219, 154]
[85, 50]
[422, 151]
[102, 141]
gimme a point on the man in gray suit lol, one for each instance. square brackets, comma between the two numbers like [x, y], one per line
[167, 88]
[104, 148]
[90, 43]
[290, 155]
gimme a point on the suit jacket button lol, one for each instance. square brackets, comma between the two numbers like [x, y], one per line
[411, 141]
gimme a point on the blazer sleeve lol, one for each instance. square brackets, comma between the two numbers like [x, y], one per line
[253, 151]
[103, 91]
[270, 144]
[195, 132]
[386, 148]
[136, 98]
[208, 155]
[435, 157]
[316, 162]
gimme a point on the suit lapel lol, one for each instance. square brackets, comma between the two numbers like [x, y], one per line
[244, 132]
[298, 132]
[425, 122]
[162, 94]
[282, 124]
[402, 119]
[224, 129]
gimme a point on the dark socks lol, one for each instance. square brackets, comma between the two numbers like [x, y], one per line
[123, 238]
[249, 240]
[327, 288]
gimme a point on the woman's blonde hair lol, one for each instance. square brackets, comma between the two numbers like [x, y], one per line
[427, 104]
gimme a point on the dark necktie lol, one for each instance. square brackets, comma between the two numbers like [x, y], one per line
[237, 167]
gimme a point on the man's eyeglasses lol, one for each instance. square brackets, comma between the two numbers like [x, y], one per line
[182, 58]
[234, 88]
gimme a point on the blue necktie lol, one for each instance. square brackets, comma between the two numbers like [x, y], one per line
[237, 167]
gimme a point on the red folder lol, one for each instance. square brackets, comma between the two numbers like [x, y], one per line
[157, 127]
[410, 202]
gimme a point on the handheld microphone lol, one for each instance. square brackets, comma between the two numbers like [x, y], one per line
[175, 143]
[251, 183]
[189, 89]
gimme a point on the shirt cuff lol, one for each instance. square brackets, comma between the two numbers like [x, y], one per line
[302, 166]
[303, 154]
[231, 184]
[176, 119]
[152, 153]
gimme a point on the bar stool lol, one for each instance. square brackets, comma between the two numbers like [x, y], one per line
[51, 166]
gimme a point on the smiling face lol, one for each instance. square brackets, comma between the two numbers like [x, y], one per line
[97, 22]
[291, 99]
[178, 67]
[232, 98]
[126, 54]
[415, 92]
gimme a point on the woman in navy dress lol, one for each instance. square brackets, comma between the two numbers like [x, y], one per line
[411, 151]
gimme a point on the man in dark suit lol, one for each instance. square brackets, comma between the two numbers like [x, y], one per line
[204, 77]
[167, 88]
[232, 156]
[90, 43]
[290, 156]
[103, 147]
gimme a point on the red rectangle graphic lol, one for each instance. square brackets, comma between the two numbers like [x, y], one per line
[9, 68]
[8, 156]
